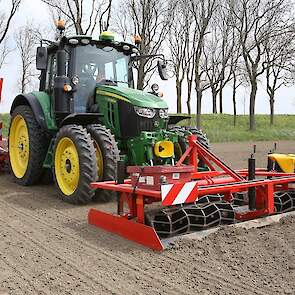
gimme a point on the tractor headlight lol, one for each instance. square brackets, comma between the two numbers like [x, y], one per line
[163, 113]
[145, 112]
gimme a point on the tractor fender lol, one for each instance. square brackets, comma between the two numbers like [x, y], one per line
[30, 100]
[175, 118]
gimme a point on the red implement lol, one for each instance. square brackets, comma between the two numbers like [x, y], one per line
[177, 198]
[3, 149]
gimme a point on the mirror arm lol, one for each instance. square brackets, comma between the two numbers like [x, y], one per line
[138, 57]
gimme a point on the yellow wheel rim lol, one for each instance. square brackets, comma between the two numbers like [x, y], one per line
[67, 168]
[19, 146]
[99, 161]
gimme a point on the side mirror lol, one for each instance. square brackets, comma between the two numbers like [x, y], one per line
[41, 58]
[162, 69]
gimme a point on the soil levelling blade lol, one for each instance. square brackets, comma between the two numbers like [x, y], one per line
[129, 229]
[164, 224]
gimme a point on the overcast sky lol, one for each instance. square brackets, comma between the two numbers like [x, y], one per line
[36, 11]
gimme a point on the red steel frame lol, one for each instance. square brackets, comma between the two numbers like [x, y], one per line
[3, 151]
[221, 179]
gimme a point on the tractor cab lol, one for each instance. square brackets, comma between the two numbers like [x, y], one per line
[75, 67]
[85, 63]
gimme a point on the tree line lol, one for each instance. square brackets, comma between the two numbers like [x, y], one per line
[211, 44]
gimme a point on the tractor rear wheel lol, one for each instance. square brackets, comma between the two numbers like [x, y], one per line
[74, 164]
[107, 156]
[28, 145]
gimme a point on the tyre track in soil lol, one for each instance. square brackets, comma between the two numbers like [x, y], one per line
[54, 259]
[205, 274]
[22, 275]
[104, 253]
[212, 279]
[115, 261]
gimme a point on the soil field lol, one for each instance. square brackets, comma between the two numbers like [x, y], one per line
[47, 247]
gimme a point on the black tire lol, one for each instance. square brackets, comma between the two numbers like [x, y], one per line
[83, 193]
[38, 145]
[103, 138]
[202, 138]
[183, 133]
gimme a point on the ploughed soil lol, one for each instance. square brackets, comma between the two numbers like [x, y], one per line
[47, 247]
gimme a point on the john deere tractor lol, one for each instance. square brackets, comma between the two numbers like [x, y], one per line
[87, 115]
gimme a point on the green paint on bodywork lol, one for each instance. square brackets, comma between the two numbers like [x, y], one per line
[48, 162]
[140, 150]
[108, 106]
[45, 102]
[135, 97]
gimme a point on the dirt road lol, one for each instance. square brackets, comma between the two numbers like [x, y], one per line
[46, 247]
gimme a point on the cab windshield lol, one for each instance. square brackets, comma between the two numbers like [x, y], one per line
[99, 65]
[102, 64]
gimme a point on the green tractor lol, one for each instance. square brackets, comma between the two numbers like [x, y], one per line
[87, 115]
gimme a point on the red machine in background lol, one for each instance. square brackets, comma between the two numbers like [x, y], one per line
[189, 200]
[3, 149]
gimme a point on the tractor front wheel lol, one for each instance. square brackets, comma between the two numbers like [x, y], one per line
[74, 164]
[107, 156]
[182, 145]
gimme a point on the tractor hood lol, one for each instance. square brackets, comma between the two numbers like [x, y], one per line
[135, 97]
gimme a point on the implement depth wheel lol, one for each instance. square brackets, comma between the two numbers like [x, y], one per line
[107, 156]
[74, 164]
[28, 145]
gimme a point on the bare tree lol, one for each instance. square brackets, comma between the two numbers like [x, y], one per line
[151, 20]
[256, 21]
[202, 12]
[5, 23]
[178, 43]
[26, 40]
[237, 81]
[84, 18]
[280, 53]
[218, 50]
[190, 65]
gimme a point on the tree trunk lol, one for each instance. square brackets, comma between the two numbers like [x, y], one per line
[272, 108]
[23, 86]
[214, 102]
[178, 95]
[189, 93]
[140, 77]
[235, 100]
[221, 100]
[252, 105]
[199, 108]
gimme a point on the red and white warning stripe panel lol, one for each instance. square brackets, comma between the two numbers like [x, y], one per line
[179, 193]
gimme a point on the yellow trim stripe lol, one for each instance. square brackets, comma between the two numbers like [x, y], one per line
[100, 92]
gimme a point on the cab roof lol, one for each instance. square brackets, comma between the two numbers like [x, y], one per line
[83, 40]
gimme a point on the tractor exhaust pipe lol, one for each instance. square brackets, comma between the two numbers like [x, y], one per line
[62, 99]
